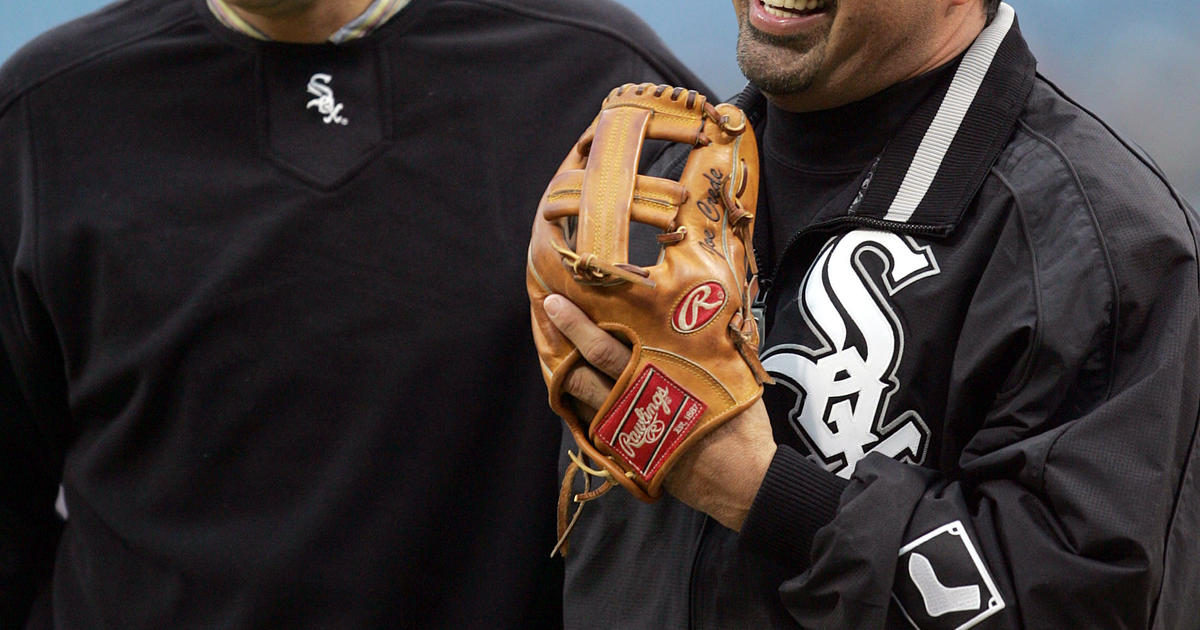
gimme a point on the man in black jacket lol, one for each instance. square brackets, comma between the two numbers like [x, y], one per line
[982, 314]
[262, 313]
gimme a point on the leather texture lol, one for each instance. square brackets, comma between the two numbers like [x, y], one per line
[694, 340]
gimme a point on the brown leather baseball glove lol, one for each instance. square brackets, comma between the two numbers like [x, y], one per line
[694, 341]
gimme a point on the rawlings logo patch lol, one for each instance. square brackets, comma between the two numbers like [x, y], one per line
[649, 427]
[698, 307]
[649, 421]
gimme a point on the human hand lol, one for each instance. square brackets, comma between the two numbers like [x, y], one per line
[721, 474]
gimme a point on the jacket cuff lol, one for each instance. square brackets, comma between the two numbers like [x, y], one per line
[797, 497]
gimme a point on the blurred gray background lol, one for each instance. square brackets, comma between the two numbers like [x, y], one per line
[1136, 65]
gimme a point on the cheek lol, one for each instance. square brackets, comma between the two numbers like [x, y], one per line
[855, 36]
[874, 37]
[739, 9]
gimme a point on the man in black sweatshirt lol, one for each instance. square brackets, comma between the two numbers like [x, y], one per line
[262, 313]
[982, 316]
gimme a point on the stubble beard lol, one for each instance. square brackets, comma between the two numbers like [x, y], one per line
[272, 8]
[779, 65]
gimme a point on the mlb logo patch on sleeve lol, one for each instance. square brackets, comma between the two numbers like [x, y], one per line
[649, 421]
[942, 582]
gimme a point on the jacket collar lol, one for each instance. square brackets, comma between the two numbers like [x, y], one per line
[929, 172]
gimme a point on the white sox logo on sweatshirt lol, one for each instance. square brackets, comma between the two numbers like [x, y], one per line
[844, 384]
[325, 103]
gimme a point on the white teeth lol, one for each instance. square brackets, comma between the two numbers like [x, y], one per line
[776, 7]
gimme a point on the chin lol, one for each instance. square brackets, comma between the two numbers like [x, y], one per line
[271, 6]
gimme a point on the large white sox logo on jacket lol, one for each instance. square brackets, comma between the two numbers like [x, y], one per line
[844, 384]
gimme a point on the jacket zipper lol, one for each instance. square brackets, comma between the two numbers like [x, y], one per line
[694, 621]
[765, 279]
[758, 308]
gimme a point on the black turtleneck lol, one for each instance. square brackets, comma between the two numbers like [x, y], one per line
[813, 162]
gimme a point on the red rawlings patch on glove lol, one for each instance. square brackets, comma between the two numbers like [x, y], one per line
[649, 421]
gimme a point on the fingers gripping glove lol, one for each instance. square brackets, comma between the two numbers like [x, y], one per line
[694, 341]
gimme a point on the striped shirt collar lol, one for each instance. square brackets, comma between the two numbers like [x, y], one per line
[372, 18]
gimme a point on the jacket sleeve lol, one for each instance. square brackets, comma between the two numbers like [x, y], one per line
[1057, 512]
[30, 466]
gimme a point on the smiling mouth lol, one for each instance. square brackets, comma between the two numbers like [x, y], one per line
[795, 8]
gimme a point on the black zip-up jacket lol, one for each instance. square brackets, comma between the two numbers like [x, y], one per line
[988, 384]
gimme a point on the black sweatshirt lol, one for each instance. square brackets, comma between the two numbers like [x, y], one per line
[263, 315]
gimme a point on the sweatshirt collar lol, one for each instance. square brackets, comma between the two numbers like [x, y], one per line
[370, 19]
